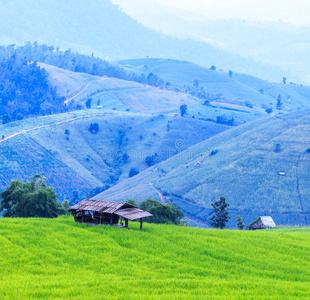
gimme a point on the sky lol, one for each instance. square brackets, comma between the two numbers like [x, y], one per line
[295, 12]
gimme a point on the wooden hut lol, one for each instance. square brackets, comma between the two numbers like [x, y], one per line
[262, 223]
[98, 212]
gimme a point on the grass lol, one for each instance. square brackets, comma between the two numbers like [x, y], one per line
[60, 259]
[81, 161]
[239, 89]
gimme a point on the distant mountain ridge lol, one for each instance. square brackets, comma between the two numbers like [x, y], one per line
[101, 27]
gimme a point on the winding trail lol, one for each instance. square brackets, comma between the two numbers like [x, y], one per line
[49, 125]
[80, 92]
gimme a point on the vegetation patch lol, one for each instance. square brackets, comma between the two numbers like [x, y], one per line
[61, 259]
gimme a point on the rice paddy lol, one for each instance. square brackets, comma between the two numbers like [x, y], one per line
[61, 259]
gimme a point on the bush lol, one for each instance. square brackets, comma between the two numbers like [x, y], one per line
[133, 172]
[213, 152]
[94, 128]
[149, 160]
[277, 148]
[162, 213]
[19, 116]
[132, 202]
[249, 104]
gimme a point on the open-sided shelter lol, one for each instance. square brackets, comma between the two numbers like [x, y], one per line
[262, 223]
[106, 212]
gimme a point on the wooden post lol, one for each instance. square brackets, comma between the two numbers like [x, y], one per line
[111, 220]
[141, 224]
[126, 223]
[100, 219]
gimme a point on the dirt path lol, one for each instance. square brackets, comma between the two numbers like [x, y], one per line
[236, 107]
[80, 92]
[48, 125]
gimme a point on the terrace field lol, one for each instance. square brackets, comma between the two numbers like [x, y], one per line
[61, 259]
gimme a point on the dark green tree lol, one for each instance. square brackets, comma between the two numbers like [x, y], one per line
[279, 102]
[94, 127]
[132, 202]
[133, 172]
[240, 223]
[149, 160]
[196, 83]
[269, 110]
[183, 109]
[64, 208]
[221, 214]
[88, 103]
[29, 199]
[162, 213]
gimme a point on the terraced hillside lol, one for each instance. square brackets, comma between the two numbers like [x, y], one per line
[260, 167]
[122, 95]
[236, 89]
[76, 160]
[60, 259]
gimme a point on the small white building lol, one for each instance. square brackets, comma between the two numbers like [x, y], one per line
[262, 222]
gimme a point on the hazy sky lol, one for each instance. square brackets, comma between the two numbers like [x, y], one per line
[291, 11]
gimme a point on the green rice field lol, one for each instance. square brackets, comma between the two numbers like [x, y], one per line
[61, 259]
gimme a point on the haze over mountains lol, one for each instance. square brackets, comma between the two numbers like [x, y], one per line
[278, 43]
[102, 28]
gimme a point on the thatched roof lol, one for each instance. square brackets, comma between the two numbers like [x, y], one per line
[125, 210]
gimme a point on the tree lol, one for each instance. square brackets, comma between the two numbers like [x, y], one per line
[269, 110]
[132, 202]
[221, 215]
[196, 83]
[230, 73]
[30, 199]
[88, 103]
[240, 223]
[279, 102]
[284, 80]
[149, 160]
[162, 213]
[133, 172]
[183, 109]
[94, 127]
[213, 68]
[64, 208]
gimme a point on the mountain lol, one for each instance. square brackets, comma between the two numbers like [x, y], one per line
[279, 44]
[76, 159]
[102, 28]
[261, 168]
[222, 86]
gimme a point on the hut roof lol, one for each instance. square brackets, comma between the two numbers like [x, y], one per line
[268, 221]
[262, 223]
[125, 210]
[132, 213]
